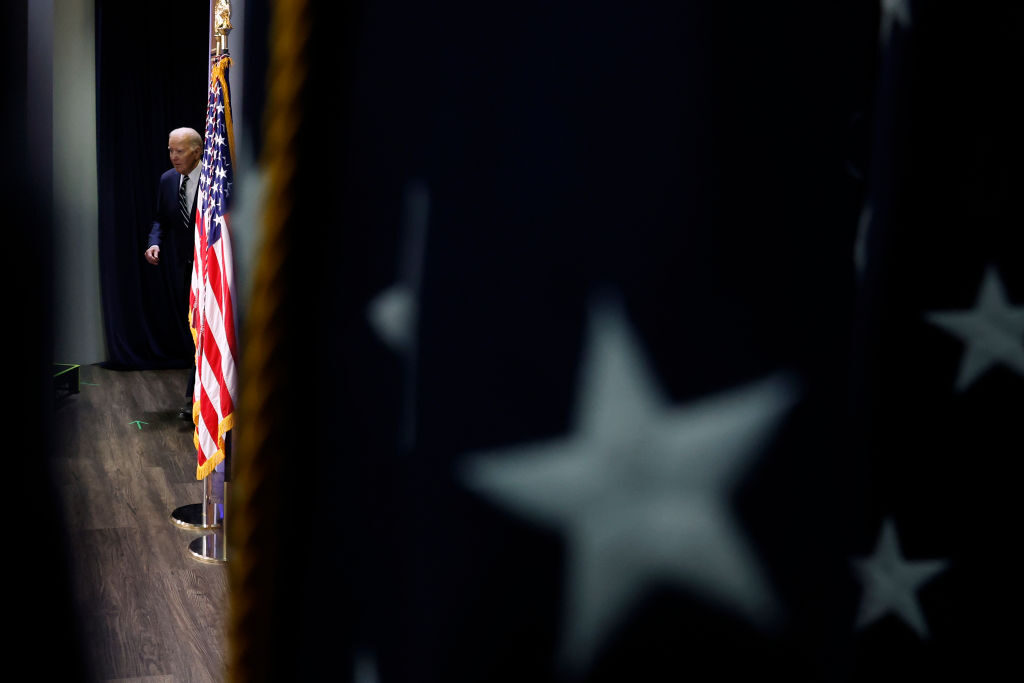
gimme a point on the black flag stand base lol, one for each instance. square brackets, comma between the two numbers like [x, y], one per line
[211, 548]
[198, 516]
[191, 517]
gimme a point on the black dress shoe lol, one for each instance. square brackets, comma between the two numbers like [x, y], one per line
[186, 412]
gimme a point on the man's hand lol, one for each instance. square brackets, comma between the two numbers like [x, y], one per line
[153, 255]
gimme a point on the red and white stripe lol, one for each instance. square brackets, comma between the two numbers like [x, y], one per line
[216, 374]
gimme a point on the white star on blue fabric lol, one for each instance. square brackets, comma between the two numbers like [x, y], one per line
[365, 669]
[891, 582]
[894, 12]
[992, 331]
[392, 315]
[641, 489]
[394, 312]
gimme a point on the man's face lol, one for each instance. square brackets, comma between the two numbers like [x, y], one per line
[184, 156]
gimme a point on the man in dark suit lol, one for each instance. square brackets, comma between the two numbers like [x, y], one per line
[171, 240]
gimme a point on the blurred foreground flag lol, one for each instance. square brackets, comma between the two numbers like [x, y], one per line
[603, 382]
[940, 345]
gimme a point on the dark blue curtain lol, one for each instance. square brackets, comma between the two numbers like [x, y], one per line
[151, 65]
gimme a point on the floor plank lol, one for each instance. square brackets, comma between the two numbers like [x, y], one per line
[150, 613]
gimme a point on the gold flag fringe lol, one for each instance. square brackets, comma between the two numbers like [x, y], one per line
[202, 471]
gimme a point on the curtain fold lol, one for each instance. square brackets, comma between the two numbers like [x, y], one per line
[150, 78]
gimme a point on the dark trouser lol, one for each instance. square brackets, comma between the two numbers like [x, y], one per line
[187, 279]
[190, 387]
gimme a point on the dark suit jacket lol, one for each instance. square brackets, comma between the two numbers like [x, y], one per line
[176, 242]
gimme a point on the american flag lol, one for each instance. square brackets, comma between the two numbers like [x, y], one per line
[212, 293]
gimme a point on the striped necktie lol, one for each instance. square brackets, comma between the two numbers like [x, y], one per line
[183, 202]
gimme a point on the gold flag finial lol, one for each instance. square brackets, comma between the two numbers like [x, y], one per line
[222, 25]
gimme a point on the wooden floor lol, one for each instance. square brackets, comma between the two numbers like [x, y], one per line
[149, 611]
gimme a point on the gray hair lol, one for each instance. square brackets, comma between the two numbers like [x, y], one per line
[189, 134]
